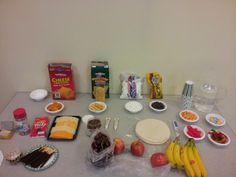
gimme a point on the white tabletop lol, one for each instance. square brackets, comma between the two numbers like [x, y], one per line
[72, 159]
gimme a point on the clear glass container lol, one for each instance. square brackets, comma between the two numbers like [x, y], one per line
[205, 98]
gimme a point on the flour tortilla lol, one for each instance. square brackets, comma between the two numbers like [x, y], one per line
[152, 131]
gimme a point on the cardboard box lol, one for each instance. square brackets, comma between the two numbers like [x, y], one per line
[100, 80]
[61, 79]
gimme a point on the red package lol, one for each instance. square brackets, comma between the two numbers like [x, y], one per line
[39, 127]
[61, 79]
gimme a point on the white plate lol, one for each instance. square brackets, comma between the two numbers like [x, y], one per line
[199, 128]
[219, 144]
[38, 94]
[217, 116]
[97, 111]
[133, 106]
[1, 157]
[186, 110]
[54, 112]
[158, 110]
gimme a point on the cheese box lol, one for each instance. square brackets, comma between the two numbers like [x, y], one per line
[61, 79]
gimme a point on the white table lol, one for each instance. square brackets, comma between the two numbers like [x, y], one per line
[72, 160]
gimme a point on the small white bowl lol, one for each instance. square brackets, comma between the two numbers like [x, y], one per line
[38, 94]
[86, 118]
[199, 128]
[217, 116]
[191, 121]
[133, 106]
[158, 110]
[54, 112]
[219, 144]
[97, 110]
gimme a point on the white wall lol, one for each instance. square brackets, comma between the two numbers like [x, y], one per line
[181, 39]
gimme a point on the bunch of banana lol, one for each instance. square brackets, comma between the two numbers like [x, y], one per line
[193, 164]
[177, 158]
[170, 153]
[198, 159]
[173, 154]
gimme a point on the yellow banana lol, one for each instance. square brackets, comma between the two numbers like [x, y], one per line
[184, 156]
[192, 160]
[199, 160]
[170, 153]
[176, 155]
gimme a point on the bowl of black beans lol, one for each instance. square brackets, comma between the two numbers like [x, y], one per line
[158, 106]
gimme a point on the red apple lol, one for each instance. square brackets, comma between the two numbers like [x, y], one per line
[158, 159]
[119, 146]
[137, 148]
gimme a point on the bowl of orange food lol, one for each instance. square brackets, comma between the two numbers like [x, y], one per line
[189, 116]
[54, 107]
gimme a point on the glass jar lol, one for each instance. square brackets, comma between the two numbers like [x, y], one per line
[22, 126]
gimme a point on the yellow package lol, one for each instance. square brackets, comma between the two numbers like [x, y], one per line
[155, 82]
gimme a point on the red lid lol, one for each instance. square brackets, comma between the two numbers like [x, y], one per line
[19, 113]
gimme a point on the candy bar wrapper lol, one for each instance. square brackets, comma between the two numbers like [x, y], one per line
[39, 127]
[155, 82]
[131, 86]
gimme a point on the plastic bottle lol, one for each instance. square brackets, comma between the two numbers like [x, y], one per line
[22, 126]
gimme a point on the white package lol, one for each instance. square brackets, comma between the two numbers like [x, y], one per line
[131, 86]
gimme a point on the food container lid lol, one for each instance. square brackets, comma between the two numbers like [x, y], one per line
[209, 88]
[19, 113]
[94, 124]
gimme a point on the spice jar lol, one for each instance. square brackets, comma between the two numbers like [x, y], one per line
[22, 125]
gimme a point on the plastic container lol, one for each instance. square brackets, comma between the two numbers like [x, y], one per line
[92, 125]
[22, 125]
[101, 150]
[6, 129]
[13, 156]
[205, 100]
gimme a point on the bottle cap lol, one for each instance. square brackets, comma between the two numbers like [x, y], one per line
[19, 113]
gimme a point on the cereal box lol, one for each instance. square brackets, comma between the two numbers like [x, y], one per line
[100, 80]
[61, 79]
